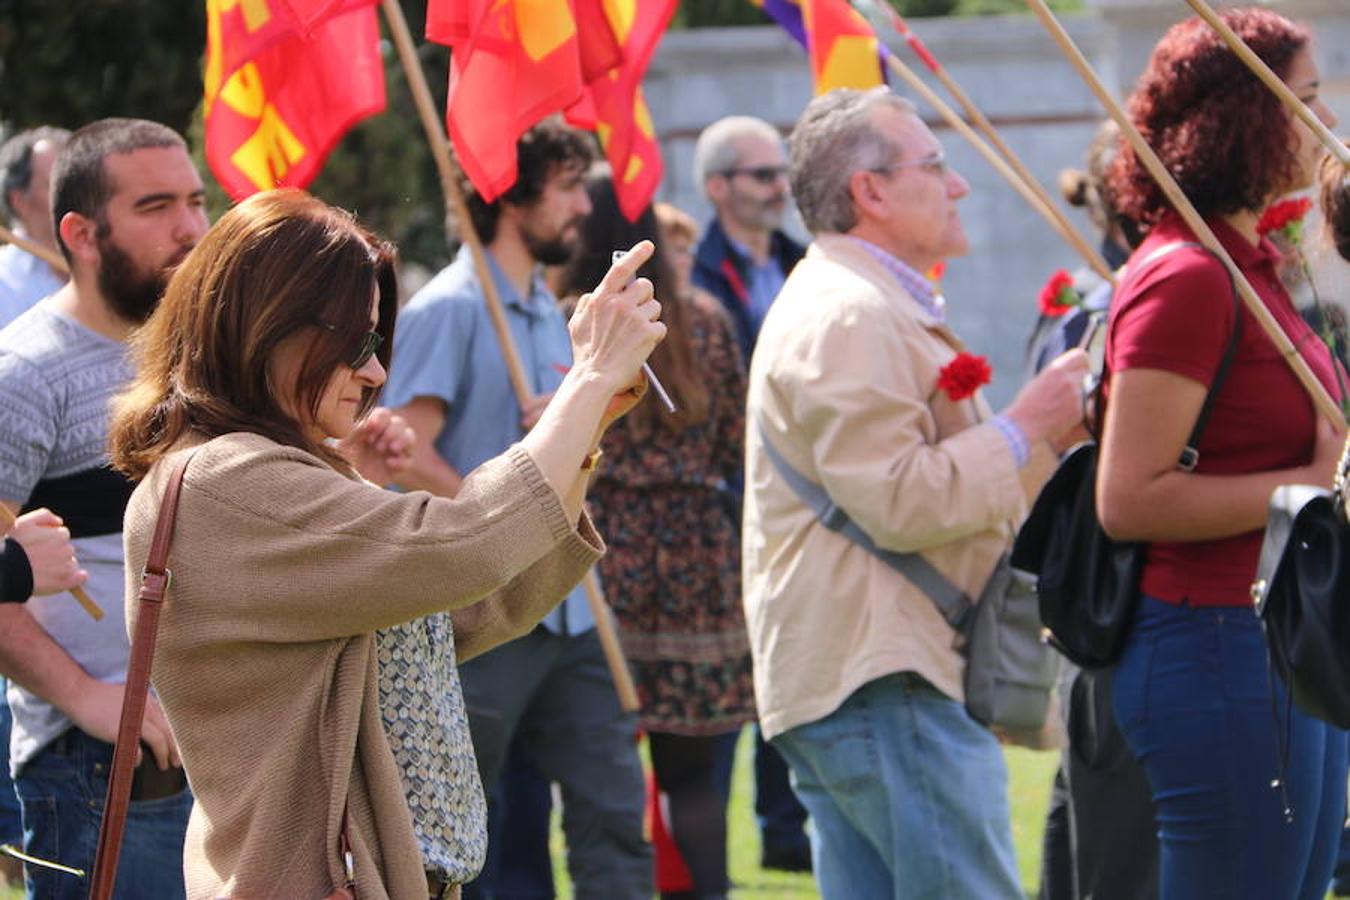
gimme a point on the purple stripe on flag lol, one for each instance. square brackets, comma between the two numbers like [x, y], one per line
[788, 14]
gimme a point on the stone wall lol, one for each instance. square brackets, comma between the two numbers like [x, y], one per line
[1015, 74]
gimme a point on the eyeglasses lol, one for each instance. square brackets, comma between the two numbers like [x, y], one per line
[934, 164]
[762, 174]
[369, 346]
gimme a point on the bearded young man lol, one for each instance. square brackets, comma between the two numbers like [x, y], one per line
[551, 688]
[127, 206]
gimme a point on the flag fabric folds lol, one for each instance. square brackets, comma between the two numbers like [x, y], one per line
[515, 62]
[284, 80]
[844, 50]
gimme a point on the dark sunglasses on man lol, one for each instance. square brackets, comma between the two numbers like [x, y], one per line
[762, 174]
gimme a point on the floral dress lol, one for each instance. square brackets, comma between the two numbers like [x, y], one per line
[672, 573]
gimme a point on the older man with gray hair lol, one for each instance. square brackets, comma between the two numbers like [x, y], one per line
[744, 256]
[25, 180]
[857, 397]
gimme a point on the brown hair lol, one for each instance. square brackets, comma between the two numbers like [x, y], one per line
[279, 262]
[1335, 182]
[675, 222]
[605, 231]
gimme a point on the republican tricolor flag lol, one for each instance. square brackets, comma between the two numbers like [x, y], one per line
[284, 80]
[844, 50]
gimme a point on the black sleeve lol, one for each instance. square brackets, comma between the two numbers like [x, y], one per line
[16, 575]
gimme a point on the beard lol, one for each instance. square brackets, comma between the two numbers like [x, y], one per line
[555, 249]
[131, 292]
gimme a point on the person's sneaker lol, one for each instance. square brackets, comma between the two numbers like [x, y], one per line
[786, 859]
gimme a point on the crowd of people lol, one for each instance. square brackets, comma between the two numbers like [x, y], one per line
[378, 659]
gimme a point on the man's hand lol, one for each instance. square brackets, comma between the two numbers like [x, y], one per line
[46, 542]
[380, 447]
[98, 711]
[1051, 404]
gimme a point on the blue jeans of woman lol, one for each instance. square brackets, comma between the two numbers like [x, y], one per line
[1193, 696]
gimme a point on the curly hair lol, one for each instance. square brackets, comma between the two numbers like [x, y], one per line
[1221, 133]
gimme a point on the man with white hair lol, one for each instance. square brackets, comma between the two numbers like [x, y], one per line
[744, 256]
[743, 260]
[862, 395]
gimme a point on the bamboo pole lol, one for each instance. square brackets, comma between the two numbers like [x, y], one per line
[520, 384]
[1321, 399]
[1047, 205]
[932, 99]
[95, 611]
[1276, 84]
[50, 257]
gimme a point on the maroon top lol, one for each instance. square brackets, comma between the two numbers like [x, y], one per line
[1176, 314]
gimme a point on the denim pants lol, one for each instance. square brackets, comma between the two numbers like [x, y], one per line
[11, 823]
[908, 797]
[62, 790]
[1193, 696]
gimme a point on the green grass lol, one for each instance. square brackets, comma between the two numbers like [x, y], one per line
[1029, 773]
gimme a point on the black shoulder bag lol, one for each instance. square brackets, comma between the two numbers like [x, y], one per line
[1088, 584]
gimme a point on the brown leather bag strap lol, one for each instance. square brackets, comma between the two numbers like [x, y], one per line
[155, 580]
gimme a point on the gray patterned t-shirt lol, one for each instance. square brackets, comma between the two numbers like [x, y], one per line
[57, 379]
[428, 731]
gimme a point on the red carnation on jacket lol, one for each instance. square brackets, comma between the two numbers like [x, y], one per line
[1058, 295]
[964, 375]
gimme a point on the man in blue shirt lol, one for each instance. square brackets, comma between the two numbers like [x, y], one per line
[449, 380]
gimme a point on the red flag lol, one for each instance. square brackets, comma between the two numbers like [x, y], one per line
[284, 81]
[512, 63]
[623, 120]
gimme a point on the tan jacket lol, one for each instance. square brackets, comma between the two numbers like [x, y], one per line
[844, 383]
[283, 569]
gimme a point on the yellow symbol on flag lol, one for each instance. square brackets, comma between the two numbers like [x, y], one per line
[272, 149]
[852, 62]
[621, 14]
[543, 26]
[256, 12]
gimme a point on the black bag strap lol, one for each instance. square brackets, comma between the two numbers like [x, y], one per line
[1190, 454]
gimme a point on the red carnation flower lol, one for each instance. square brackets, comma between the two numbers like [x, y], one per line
[1058, 295]
[964, 375]
[1285, 217]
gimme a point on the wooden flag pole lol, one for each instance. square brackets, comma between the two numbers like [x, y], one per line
[520, 384]
[930, 97]
[1277, 86]
[50, 257]
[1321, 399]
[1047, 205]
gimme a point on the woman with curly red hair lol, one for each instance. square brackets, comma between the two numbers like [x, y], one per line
[1192, 687]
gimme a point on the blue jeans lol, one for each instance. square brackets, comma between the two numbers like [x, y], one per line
[11, 824]
[62, 790]
[1193, 698]
[908, 796]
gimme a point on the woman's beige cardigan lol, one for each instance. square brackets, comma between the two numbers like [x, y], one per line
[282, 571]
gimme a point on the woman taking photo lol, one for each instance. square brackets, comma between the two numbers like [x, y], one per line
[270, 342]
[672, 574]
[1193, 693]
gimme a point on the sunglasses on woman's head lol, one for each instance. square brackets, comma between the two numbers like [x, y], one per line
[369, 346]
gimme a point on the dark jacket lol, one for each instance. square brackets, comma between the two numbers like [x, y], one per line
[721, 270]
